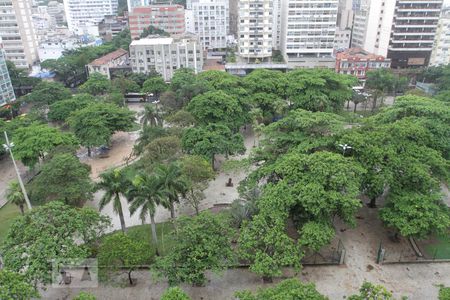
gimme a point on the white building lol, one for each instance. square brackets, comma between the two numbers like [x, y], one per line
[209, 20]
[165, 55]
[56, 12]
[345, 14]
[440, 55]
[372, 25]
[17, 33]
[6, 88]
[258, 29]
[54, 48]
[308, 29]
[83, 15]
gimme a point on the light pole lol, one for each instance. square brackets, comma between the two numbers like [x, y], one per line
[8, 146]
[344, 148]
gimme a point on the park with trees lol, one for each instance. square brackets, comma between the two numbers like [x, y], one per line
[313, 165]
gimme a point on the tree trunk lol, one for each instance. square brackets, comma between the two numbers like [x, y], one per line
[373, 202]
[129, 277]
[122, 221]
[374, 104]
[172, 211]
[348, 104]
[354, 109]
[267, 279]
[21, 209]
[89, 151]
[212, 162]
[154, 235]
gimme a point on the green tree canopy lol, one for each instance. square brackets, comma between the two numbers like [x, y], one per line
[175, 293]
[370, 291]
[119, 251]
[218, 107]
[154, 85]
[61, 110]
[125, 85]
[266, 82]
[152, 30]
[97, 84]
[15, 195]
[211, 140]
[203, 243]
[64, 178]
[33, 142]
[47, 93]
[15, 286]
[51, 231]
[95, 124]
[287, 289]
[84, 296]
[186, 86]
[319, 89]
[219, 80]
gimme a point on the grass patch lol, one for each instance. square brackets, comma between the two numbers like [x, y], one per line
[7, 215]
[440, 249]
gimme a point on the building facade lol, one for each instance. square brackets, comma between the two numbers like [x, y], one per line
[111, 60]
[345, 14]
[83, 15]
[166, 54]
[111, 26]
[137, 3]
[53, 48]
[308, 29]
[257, 29]
[210, 21]
[357, 62]
[440, 56]
[413, 31]
[17, 32]
[372, 25]
[56, 12]
[169, 18]
[6, 88]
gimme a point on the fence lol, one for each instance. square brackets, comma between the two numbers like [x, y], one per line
[334, 254]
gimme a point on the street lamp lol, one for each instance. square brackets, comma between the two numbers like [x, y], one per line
[344, 148]
[8, 147]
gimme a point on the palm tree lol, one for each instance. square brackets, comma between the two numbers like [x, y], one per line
[146, 193]
[173, 184]
[114, 183]
[150, 116]
[15, 196]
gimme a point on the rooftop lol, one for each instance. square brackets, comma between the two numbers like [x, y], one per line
[152, 41]
[108, 57]
[359, 54]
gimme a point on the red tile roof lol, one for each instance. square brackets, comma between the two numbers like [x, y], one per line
[108, 57]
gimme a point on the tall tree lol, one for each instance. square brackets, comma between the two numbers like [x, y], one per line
[173, 185]
[202, 243]
[15, 196]
[48, 232]
[61, 110]
[211, 140]
[154, 85]
[115, 184]
[97, 84]
[33, 142]
[63, 178]
[121, 252]
[125, 85]
[150, 116]
[379, 82]
[146, 193]
[47, 93]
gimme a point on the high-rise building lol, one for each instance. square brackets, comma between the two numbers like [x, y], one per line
[166, 54]
[56, 12]
[137, 3]
[169, 18]
[440, 55]
[413, 31]
[17, 33]
[209, 20]
[372, 25]
[257, 29]
[83, 14]
[345, 14]
[308, 29]
[6, 88]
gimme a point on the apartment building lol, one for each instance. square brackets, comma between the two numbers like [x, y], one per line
[17, 32]
[258, 29]
[210, 21]
[137, 3]
[357, 62]
[6, 88]
[169, 18]
[111, 26]
[413, 32]
[345, 14]
[56, 12]
[111, 60]
[372, 25]
[166, 54]
[83, 15]
[308, 29]
[440, 56]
